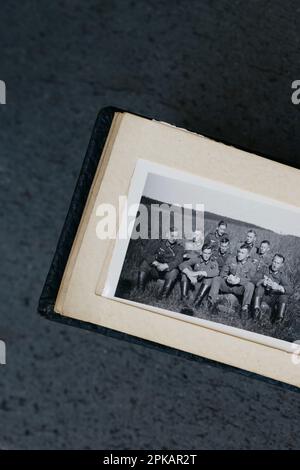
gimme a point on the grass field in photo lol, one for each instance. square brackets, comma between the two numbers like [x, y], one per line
[288, 245]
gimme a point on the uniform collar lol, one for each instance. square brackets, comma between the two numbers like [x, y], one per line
[223, 254]
[274, 272]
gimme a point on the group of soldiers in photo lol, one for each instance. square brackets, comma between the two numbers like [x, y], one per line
[206, 269]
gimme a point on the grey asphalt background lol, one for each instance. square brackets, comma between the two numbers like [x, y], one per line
[219, 67]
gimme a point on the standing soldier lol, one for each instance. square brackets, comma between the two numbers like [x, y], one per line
[273, 289]
[250, 242]
[162, 263]
[236, 278]
[199, 272]
[223, 253]
[214, 238]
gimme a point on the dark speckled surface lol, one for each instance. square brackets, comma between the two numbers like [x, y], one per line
[219, 67]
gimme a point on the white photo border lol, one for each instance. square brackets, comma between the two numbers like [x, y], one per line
[138, 181]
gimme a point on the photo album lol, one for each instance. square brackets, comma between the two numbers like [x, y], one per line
[189, 243]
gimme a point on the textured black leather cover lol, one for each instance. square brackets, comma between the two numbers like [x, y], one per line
[55, 274]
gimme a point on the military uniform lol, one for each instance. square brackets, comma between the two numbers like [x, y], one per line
[197, 263]
[221, 258]
[191, 254]
[245, 270]
[261, 261]
[269, 295]
[213, 239]
[252, 248]
[272, 297]
[166, 252]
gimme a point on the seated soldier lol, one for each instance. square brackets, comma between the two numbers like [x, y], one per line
[198, 272]
[214, 238]
[250, 242]
[162, 263]
[223, 253]
[273, 289]
[235, 278]
[262, 259]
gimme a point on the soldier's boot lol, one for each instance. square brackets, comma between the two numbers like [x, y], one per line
[142, 278]
[201, 294]
[281, 312]
[212, 305]
[184, 286]
[167, 287]
[256, 307]
[244, 313]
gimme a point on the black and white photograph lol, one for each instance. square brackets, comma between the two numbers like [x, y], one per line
[234, 262]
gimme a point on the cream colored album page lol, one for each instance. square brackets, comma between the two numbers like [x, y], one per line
[146, 161]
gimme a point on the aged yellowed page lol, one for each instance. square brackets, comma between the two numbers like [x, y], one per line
[163, 144]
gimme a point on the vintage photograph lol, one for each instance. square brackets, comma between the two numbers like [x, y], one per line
[235, 261]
